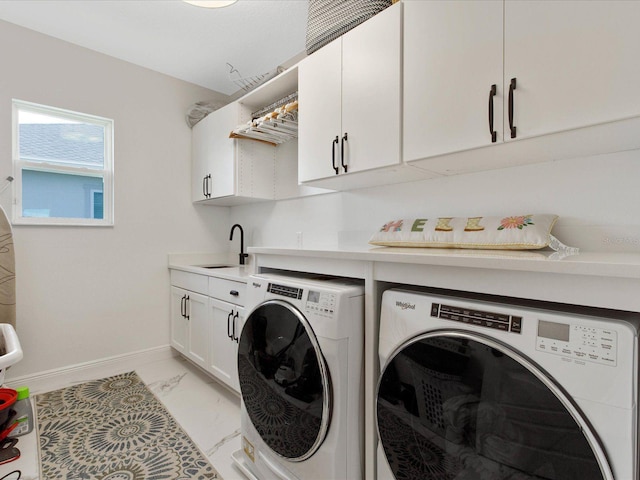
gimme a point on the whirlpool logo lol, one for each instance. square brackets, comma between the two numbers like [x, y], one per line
[256, 285]
[405, 305]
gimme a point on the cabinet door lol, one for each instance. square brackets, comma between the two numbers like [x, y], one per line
[224, 349]
[319, 92]
[198, 328]
[576, 63]
[213, 153]
[371, 76]
[452, 57]
[201, 153]
[179, 325]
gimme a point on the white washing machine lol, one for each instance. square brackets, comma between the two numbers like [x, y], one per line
[301, 379]
[477, 390]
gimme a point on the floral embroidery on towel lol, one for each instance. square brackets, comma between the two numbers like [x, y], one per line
[515, 222]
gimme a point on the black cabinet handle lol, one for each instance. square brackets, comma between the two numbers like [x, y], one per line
[512, 87]
[334, 144]
[183, 307]
[204, 186]
[235, 321]
[344, 139]
[229, 330]
[492, 93]
[186, 306]
[209, 186]
[235, 293]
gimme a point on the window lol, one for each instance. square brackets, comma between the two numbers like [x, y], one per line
[63, 167]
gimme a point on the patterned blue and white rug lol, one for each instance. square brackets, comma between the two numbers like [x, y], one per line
[114, 429]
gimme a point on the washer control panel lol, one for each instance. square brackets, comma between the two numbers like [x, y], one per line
[320, 303]
[285, 291]
[579, 342]
[480, 318]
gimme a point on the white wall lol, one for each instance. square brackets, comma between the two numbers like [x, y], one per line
[597, 199]
[90, 293]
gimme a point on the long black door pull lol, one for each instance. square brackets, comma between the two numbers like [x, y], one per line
[344, 139]
[512, 87]
[229, 329]
[492, 94]
[334, 144]
[235, 322]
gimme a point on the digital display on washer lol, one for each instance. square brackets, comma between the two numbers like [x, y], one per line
[313, 297]
[553, 330]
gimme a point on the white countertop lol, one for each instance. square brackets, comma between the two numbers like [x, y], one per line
[624, 265]
[597, 279]
[198, 263]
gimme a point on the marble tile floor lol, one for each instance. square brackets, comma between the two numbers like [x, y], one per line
[207, 411]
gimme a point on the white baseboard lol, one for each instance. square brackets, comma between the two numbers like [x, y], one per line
[41, 382]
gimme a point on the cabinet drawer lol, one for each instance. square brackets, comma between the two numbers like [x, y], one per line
[227, 290]
[189, 281]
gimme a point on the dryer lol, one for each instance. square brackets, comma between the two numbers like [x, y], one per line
[301, 379]
[485, 390]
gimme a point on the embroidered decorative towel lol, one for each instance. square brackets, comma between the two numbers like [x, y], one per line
[518, 232]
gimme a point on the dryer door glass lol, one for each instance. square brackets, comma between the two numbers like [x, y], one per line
[465, 407]
[284, 380]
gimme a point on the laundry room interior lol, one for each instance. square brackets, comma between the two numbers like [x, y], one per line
[308, 239]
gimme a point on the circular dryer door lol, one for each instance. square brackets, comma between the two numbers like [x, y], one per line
[453, 405]
[284, 380]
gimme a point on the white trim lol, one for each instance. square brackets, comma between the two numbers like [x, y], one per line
[81, 372]
[106, 172]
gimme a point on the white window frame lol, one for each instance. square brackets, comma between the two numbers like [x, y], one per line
[106, 172]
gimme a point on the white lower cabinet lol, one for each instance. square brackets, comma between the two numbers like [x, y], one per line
[190, 325]
[206, 326]
[226, 311]
[226, 322]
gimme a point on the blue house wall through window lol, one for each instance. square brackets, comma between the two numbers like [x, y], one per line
[47, 194]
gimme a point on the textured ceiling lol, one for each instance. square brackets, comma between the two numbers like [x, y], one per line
[169, 36]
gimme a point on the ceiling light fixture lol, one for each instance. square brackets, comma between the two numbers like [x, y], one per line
[210, 3]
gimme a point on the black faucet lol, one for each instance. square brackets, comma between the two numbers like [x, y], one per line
[242, 254]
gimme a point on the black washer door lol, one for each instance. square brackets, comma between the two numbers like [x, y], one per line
[459, 406]
[284, 380]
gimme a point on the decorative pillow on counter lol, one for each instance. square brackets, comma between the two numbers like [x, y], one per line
[522, 232]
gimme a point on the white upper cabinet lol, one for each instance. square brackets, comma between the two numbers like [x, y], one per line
[371, 92]
[350, 107]
[566, 76]
[320, 127]
[213, 154]
[452, 59]
[227, 171]
[576, 63]
[233, 171]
